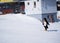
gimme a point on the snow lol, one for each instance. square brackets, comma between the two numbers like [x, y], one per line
[58, 13]
[18, 28]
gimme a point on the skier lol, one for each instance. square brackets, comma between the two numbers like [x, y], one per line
[45, 24]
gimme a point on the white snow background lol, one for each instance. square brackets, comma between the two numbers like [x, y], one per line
[18, 28]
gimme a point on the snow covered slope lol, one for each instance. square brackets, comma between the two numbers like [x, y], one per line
[17, 28]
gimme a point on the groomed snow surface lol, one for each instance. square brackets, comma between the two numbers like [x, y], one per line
[18, 28]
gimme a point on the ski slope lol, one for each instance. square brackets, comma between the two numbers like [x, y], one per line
[18, 28]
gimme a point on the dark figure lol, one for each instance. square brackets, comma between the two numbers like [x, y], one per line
[45, 23]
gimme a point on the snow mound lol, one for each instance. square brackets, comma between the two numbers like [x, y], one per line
[18, 28]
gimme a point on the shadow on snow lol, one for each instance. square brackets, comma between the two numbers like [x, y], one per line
[52, 30]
